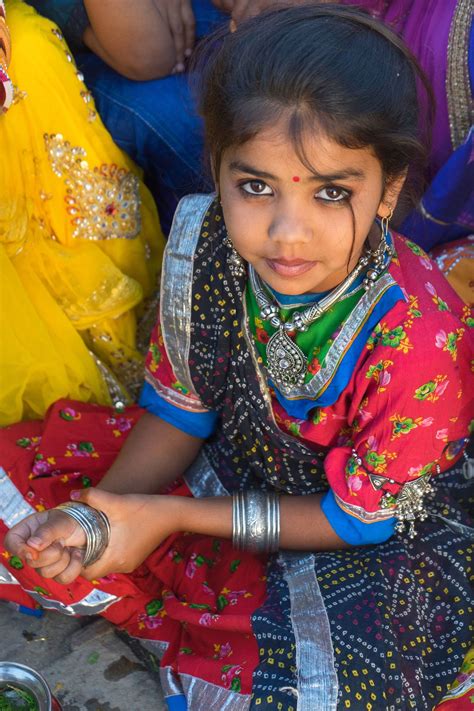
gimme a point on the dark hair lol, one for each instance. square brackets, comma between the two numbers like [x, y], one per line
[328, 64]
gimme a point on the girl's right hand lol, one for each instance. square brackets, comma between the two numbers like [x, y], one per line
[50, 541]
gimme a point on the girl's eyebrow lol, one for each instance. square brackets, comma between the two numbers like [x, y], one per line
[239, 167]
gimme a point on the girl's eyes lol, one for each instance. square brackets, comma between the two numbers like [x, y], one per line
[330, 194]
[333, 194]
[256, 187]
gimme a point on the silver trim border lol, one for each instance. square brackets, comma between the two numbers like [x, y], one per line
[317, 676]
[177, 282]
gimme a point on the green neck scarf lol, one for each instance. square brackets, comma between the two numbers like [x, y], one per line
[316, 341]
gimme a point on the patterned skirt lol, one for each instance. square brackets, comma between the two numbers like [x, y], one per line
[374, 627]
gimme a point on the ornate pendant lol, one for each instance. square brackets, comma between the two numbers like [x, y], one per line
[286, 362]
[409, 504]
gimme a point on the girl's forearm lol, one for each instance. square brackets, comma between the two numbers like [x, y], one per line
[303, 524]
[154, 455]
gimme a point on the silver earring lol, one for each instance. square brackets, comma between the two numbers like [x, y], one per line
[380, 256]
[236, 263]
[383, 247]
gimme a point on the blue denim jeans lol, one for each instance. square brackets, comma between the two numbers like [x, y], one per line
[156, 122]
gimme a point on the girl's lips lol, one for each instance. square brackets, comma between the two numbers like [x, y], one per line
[293, 267]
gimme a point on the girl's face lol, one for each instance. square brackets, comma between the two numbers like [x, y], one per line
[295, 226]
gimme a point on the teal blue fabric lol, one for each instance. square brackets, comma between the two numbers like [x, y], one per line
[197, 424]
[350, 529]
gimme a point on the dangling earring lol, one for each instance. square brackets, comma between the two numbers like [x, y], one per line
[380, 256]
[236, 263]
[384, 223]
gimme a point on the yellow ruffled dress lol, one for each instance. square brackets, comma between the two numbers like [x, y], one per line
[80, 241]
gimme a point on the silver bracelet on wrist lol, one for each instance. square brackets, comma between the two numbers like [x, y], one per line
[96, 526]
[256, 521]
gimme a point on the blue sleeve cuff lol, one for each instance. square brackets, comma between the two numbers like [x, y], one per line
[196, 424]
[350, 529]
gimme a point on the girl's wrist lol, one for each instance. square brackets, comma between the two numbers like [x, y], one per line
[209, 516]
[177, 512]
[162, 514]
[169, 514]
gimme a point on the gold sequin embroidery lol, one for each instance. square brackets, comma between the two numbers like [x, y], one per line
[103, 202]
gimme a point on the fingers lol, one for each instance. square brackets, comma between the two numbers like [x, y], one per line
[182, 27]
[224, 5]
[52, 542]
[97, 498]
[15, 540]
[50, 556]
[54, 560]
[37, 532]
[73, 569]
[241, 10]
[59, 562]
[189, 28]
[177, 32]
[58, 527]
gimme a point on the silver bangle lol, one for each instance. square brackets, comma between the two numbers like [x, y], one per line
[96, 526]
[256, 521]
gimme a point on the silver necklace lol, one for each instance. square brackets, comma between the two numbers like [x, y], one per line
[286, 362]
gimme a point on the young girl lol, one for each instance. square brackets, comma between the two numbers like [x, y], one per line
[307, 361]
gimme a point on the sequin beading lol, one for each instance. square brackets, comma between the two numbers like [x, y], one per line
[103, 202]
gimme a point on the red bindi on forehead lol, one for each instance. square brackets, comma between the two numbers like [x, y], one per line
[296, 178]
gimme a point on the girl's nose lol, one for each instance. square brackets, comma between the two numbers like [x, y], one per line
[290, 227]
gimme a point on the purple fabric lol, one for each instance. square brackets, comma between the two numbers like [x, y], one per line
[424, 25]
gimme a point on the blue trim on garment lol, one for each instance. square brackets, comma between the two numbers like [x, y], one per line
[301, 408]
[196, 424]
[176, 703]
[350, 529]
[288, 300]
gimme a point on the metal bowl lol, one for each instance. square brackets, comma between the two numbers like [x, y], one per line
[28, 679]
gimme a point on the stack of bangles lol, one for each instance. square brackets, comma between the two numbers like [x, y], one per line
[256, 521]
[96, 526]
